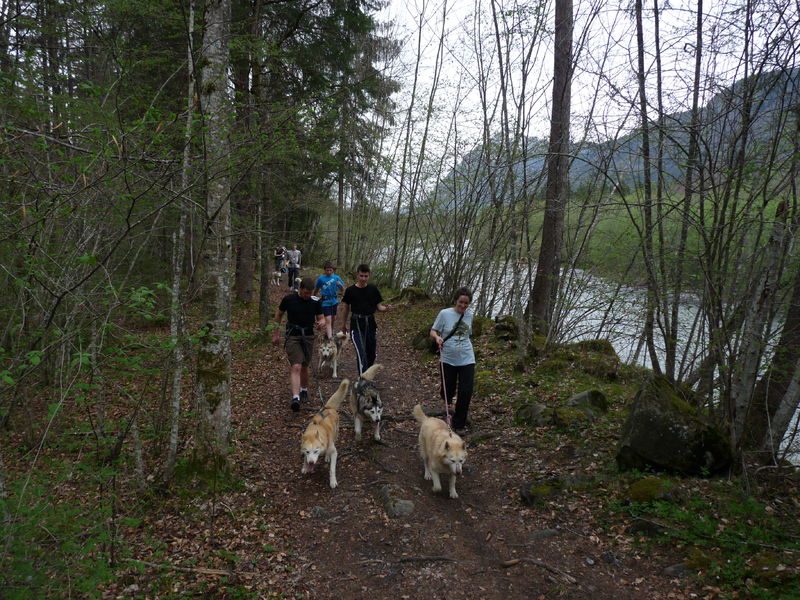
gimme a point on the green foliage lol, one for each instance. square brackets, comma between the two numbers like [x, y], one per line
[53, 549]
[731, 537]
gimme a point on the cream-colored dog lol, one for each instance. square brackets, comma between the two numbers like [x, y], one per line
[320, 435]
[442, 451]
[365, 402]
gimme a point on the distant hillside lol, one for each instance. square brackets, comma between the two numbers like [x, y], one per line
[774, 100]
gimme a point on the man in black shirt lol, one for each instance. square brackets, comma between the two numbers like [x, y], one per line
[360, 302]
[303, 313]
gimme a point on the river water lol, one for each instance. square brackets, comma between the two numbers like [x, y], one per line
[594, 307]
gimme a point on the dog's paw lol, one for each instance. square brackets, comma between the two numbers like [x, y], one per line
[437, 488]
[304, 469]
[334, 483]
[453, 494]
[428, 475]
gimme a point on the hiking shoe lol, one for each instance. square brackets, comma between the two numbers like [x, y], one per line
[295, 404]
[303, 395]
[461, 431]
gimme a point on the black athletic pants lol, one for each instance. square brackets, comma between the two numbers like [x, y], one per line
[459, 383]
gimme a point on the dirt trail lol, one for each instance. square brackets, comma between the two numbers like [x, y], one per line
[281, 534]
[306, 540]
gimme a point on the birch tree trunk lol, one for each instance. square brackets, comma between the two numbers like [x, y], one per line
[178, 251]
[549, 265]
[212, 382]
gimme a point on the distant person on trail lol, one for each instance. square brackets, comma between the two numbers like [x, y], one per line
[303, 313]
[328, 286]
[293, 259]
[361, 301]
[280, 257]
[451, 332]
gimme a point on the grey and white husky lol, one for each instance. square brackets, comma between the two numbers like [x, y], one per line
[365, 402]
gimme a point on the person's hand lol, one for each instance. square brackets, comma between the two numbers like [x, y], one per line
[276, 337]
[439, 341]
[388, 307]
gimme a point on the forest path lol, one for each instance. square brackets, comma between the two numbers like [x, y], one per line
[284, 534]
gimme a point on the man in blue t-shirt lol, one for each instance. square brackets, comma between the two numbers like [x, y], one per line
[328, 286]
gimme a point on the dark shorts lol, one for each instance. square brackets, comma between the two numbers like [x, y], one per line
[300, 349]
[329, 311]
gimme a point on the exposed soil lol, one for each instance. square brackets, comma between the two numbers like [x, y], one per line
[289, 535]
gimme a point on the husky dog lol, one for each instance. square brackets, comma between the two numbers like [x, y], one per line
[276, 278]
[320, 435]
[442, 451]
[365, 402]
[329, 351]
[296, 284]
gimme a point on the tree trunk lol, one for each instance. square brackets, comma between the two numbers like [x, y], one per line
[671, 337]
[756, 327]
[548, 267]
[783, 416]
[213, 376]
[178, 251]
[774, 384]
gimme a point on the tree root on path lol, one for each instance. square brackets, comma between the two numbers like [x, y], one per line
[563, 574]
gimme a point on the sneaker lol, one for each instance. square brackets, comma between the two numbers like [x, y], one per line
[303, 395]
[295, 404]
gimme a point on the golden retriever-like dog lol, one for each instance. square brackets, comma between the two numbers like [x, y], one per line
[365, 402]
[442, 451]
[320, 435]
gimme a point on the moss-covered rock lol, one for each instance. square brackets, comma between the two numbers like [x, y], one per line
[649, 489]
[506, 328]
[533, 414]
[600, 346]
[591, 402]
[664, 432]
[567, 417]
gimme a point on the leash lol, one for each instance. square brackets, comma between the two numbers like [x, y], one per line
[363, 342]
[315, 373]
[444, 390]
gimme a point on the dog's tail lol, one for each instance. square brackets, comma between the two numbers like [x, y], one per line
[336, 400]
[419, 414]
[370, 373]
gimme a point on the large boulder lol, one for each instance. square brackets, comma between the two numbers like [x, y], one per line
[664, 432]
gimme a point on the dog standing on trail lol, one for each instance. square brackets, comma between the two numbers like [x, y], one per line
[320, 435]
[365, 402]
[442, 451]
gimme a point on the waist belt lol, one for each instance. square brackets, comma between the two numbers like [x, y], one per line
[358, 316]
[299, 329]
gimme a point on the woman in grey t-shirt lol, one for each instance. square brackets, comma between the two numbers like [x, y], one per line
[451, 331]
